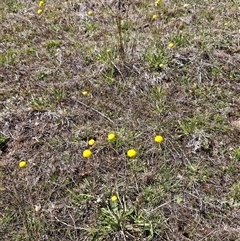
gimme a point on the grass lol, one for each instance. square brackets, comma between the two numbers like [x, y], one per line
[185, 188]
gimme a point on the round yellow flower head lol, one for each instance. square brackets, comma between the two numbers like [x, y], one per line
[161, 65]
[171, 45]
[131, 153]
[114, 198]
[154, 16]
[85, 93]
[22, 164]
[158, 139]
[39, 11]
[157, 2]
[41, 3]
[87, 153]
[91, 142]
[111, 137]
[90, 12]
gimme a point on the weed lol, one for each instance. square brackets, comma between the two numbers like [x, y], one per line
[3, 140]
[236, 154]
[156, 59]
[117, 216]
[200, 123]
[39, 103]
[234, 192]
[10, 57]
[58, 94]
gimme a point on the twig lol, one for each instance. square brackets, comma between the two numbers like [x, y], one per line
[69, 225]
[119, 28]
[164, 204]
[118, 70]
[93, 109]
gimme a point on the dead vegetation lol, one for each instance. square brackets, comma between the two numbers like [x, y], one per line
[187, 187]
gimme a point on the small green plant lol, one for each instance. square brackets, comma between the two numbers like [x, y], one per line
[236, 154]
[39, 103]
[109, 76]
[159, 94]
[52, 44]
[117, 216]
[106, 55]
[199, 123]
[179, 40]
[90, 26]
[14, 6]
[58, 94]
[9, 57]
[3, 142]
[79, 198]
[42, 76]
[191, 124]
[3, 139]
[157, 59]
[234, 192]
[197, 173]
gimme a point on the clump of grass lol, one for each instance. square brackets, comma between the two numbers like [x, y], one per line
[236, 154]
[118, 217]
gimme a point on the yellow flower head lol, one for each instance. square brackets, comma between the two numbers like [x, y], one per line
[171, 45]
[22, 164]
[111, 137]
[114, 198]
[85, 93]
[87, 153]
[158, 139]
[157, 3]
[90, 12]
[39, 11]
[91, 142]
[131, 153]
[154, 16]
[161, 65]
[41, 3]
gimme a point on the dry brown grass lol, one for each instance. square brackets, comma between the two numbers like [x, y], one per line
[186, 188]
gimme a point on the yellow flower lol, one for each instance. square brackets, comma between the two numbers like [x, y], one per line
[90, 12]
[39, 11]
[91, 142]
[85, 93]
[114, 198]
[87, 153]
[111, 137]
[158, 139]
[171, 45]
[41, 3]
[161, 65]
[22, 164]
[157, 2]
[154, 16]
[131, 153]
